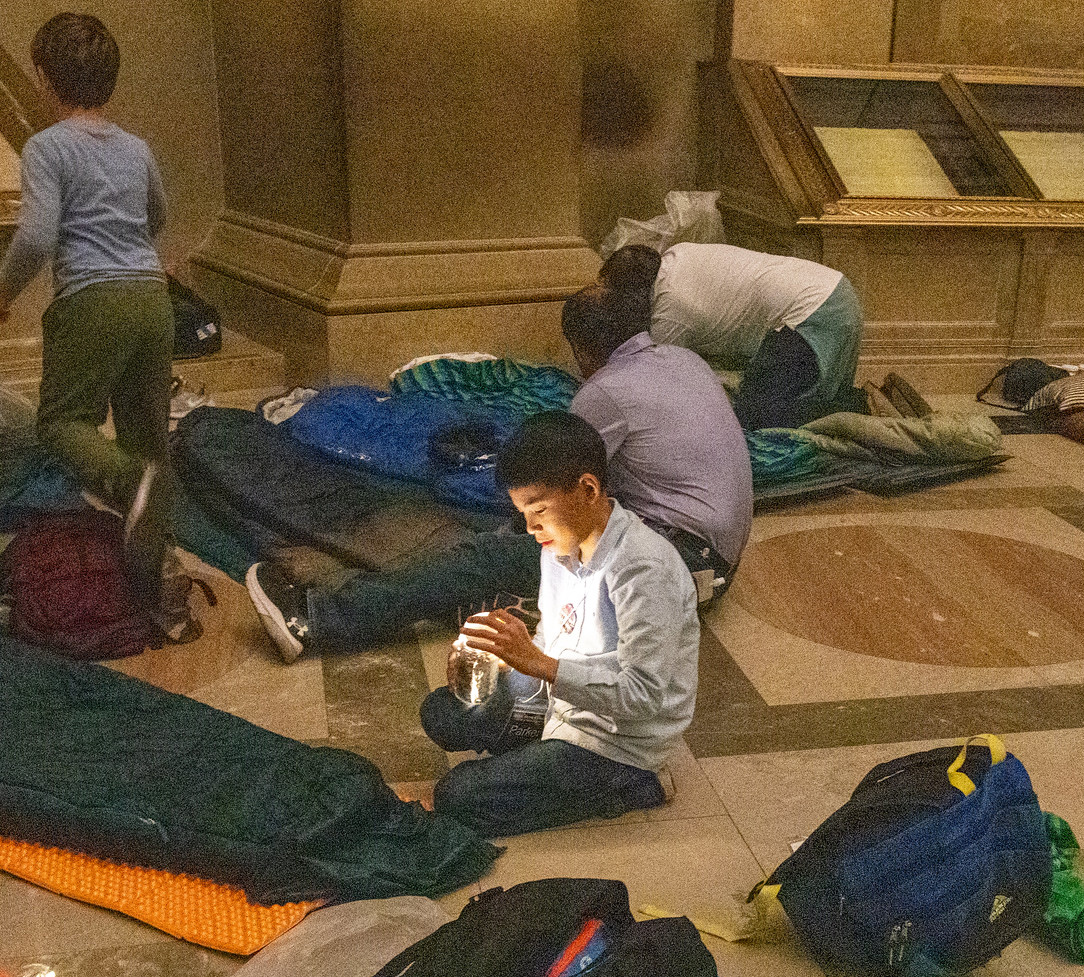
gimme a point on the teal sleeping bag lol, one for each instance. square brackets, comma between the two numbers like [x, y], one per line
[98, 762]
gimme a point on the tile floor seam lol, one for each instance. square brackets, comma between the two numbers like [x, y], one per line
[614, 823]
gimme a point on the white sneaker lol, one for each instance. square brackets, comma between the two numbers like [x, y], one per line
[183, 401]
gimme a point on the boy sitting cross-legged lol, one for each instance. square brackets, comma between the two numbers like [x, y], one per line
[617, 646]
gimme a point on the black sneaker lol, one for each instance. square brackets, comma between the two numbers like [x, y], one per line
[283, 609]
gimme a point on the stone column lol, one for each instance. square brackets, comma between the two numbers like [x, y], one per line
[401, 179]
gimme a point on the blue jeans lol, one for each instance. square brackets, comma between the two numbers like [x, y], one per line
[800, 374]
[539, 784]
[489, 726]
[367, 608]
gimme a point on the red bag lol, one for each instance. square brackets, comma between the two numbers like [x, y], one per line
[69, 590]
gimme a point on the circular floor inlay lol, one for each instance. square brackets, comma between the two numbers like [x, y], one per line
[935, 596]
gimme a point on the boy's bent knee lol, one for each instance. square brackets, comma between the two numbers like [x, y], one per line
[456, 796]
[441, 717]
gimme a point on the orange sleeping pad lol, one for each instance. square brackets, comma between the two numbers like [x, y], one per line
[208, 913]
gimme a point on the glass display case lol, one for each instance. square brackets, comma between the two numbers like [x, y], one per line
[953, 198]
[896, 138]
[919, 133]
[1043, 126]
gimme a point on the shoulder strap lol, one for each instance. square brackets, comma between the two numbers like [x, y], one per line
[437, 952]
[980, 395]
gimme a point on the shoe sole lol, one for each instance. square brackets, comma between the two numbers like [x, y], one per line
[139, 503]
[666, 782]
[914, 401]
[273, 622]
[176, 413]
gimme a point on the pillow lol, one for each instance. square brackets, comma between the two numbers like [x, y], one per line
[1065, 394]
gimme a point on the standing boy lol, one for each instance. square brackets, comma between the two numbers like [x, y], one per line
[92, 202]
[617, 645]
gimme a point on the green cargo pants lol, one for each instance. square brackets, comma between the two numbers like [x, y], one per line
[111, 345]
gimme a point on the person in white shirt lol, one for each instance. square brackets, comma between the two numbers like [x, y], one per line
[791, 327]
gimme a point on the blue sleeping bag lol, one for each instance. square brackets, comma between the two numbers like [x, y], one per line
[449, 445]
[32, 483]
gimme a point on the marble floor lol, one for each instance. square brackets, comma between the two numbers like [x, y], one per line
[859, 628]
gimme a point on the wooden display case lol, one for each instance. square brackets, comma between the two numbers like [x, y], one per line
[953, 198]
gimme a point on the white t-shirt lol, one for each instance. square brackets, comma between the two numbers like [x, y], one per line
[722, 301]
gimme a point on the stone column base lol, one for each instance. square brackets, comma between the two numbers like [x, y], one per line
[352, 313]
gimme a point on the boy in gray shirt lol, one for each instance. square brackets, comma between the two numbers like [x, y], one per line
[92, 202]
[617, 645]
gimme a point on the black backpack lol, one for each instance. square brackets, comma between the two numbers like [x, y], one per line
[529, 929]
[197, 326]
[1021, 379]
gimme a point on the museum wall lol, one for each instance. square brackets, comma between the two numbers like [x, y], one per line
[639, 104]
[1035, 33]
[822, 31]
[279, 80]
[463, 119]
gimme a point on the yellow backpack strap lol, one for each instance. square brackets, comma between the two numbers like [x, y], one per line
[961, 781]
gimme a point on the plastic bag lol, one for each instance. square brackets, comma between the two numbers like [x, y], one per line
[691, 215]
[354, 938]
[1063, 922]
[756, 918]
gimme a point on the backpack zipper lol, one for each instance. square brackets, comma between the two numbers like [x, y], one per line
[898, 944]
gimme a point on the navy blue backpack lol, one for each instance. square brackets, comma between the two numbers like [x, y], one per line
[937, 862]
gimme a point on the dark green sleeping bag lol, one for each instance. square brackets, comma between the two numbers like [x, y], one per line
[101, 763]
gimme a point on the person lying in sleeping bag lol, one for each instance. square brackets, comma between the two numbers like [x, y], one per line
[677, 457]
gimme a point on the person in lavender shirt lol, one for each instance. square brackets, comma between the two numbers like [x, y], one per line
[677, 456]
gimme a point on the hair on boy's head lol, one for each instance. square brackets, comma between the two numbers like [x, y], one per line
[79, 58]
[554, 449]
[633, 266]
[599, 318]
